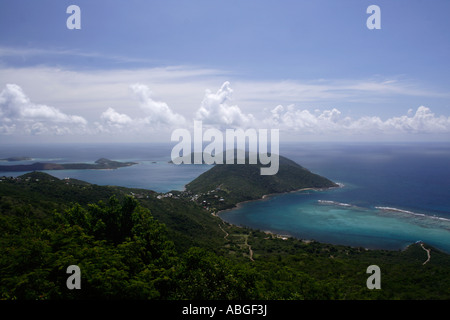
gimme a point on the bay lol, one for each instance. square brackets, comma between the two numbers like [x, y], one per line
[392, 195]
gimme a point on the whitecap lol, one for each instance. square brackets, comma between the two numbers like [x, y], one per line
[334, 203]
[422, 215]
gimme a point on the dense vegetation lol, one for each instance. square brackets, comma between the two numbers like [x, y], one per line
[242, 182]
[134, 244]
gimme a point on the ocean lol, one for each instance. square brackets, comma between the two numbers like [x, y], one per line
[392, 194]
[153, 170]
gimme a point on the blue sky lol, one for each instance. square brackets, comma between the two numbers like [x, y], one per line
[139, 69]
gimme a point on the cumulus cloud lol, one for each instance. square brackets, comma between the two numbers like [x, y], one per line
[292, 119]
[114, 118]
[19, 114]
[332, 121]
[155, 112]
[215, 110]
[422, 121]
[152, 116]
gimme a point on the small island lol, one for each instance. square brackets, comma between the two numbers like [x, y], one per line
[12, 159]
[102, 163]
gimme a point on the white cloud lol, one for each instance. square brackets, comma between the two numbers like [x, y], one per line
[423, 121]
[19, 114]
[46, 113]
[113, 118]
[215, 110]
[157, 113]
[297, 120]
[92, 102]
[152, 116]
[91, 92]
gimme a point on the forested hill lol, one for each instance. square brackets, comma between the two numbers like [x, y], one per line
[241, 182]
[139, 244]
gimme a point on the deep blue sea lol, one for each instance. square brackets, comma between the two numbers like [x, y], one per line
[393, 194]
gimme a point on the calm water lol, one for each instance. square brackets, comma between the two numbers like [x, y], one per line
[412, 180]
[153, 170]
[393, 195]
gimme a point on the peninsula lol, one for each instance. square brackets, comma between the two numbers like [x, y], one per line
[225, 185]
[99, 164]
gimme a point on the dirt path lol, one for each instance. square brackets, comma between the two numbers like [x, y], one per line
[428, 253]
[250, 251]
[249, 248]
[226, 233]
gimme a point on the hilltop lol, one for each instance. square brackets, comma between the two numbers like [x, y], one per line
[235, 183]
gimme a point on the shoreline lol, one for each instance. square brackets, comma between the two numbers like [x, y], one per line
[265, 196]
[287, 235]
[270, 232]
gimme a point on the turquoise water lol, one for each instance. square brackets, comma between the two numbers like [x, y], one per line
[304, 215]
[412, 180]
[393, 195]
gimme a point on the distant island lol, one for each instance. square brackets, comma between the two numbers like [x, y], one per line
[12, 159]
[99, 164]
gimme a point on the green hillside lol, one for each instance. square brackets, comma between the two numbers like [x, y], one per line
[240, 182]
[139, 244]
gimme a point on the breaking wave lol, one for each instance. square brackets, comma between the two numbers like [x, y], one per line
[334, 203]
[421, 215]
[421, 218]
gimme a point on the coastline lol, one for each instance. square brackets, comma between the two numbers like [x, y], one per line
[266, 196]
[284, 235]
